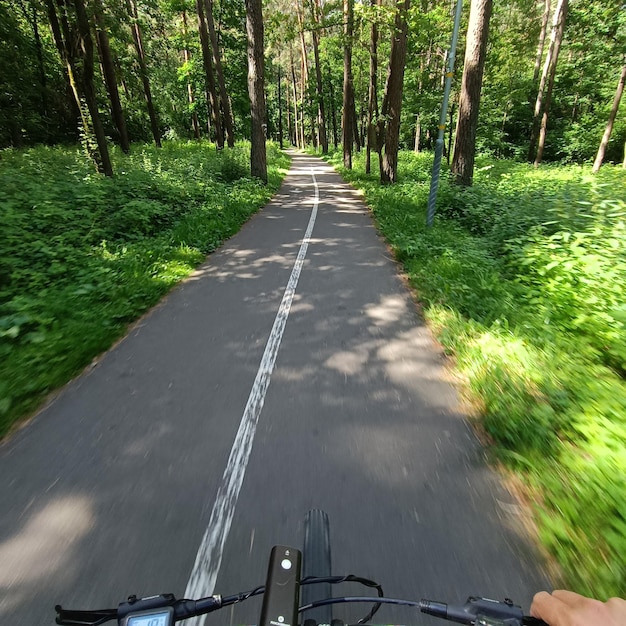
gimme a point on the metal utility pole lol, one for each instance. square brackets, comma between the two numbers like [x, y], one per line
[434, 182]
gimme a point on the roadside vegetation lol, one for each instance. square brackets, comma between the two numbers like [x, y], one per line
[82, 255]
[523, 280]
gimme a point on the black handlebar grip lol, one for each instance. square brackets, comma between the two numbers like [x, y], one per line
[70, 617]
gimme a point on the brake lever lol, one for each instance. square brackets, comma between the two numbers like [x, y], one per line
[68, 617]
[481, 612]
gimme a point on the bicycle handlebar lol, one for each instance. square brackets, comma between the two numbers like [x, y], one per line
[476, 611]
[183, 609]
[475, 608]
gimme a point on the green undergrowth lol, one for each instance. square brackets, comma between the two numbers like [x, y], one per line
[523, 279]
[82, 256]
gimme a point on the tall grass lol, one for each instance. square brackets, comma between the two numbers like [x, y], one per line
[82, 255]
[523, 278]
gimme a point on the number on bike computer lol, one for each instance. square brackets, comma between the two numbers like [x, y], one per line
[158, 617]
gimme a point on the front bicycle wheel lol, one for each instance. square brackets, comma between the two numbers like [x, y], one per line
[316, 561]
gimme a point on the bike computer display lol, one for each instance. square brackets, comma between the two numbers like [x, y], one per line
[154, 617]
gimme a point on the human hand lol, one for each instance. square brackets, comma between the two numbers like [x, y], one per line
[566, 608]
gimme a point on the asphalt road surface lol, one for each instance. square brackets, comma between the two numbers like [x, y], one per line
[290, 372]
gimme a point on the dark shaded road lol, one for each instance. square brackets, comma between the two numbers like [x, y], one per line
[110, 489]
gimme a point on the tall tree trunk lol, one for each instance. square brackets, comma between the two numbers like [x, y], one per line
[304, 70]
[547, 76]
[59, 35]
[347, 124]
[361, 118]
[576, 108]
[548, 99]
[302, 123]
[40, 66]
[476, 48]
[372, 102]
[333, 108]
[609, 127]
[355, 122]
[143, 69]
[77, 56]
[32, 18]
[186, 55]
[449, 150]
[212, 100]
[542, 39]
[295, 99]
[108, 70]
[256, 88]
[86, 74]
[217, 58]
[288, 110]
[316, 11]
[303, 51]
[428, 65]
[195, 122]
[392, 102]
[418, 134]
[280, 110]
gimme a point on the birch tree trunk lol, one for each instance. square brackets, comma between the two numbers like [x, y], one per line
[542, 39]
[609, 127]
[418, 134]
[542, 104]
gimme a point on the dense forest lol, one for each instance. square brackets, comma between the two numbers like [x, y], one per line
[133, 142]
[160, 69]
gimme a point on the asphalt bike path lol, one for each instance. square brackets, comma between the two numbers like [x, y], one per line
[290, 371]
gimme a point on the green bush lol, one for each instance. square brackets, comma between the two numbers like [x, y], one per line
[577, 280]
[83, 255]
[232, 167]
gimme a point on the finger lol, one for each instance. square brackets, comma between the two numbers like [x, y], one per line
[540, 599]
[569, 597]
[549, 608]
